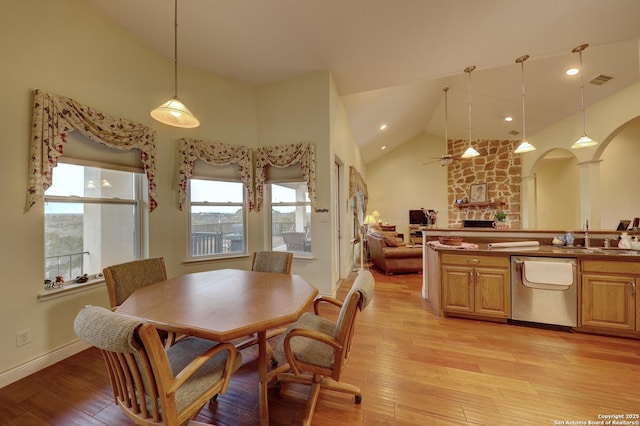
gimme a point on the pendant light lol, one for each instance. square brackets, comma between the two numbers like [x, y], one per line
[584, 141]
[524, 145]
[174, 112]
[470, 152]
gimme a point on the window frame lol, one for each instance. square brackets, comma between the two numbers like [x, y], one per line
[138, 202]
[245, 222]
[269, 207]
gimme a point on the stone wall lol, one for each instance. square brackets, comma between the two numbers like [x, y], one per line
[498, 167]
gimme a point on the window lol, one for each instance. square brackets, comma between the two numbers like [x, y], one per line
[217, 218]
[92, 219]
[290, 217]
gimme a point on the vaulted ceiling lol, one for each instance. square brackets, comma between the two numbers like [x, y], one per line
[391, 59]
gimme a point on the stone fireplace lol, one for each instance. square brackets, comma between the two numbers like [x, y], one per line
[499, 168]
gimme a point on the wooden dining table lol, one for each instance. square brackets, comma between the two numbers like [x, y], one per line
[223, 305]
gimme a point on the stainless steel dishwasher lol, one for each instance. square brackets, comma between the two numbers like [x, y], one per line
[546, 292]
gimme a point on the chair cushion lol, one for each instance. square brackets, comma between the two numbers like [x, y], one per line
[185, 351]
[309, 350]
[271, 262]
[107, 330]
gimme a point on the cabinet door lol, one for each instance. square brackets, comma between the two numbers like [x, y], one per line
[492, 292]
[608, 301]
[457, 288]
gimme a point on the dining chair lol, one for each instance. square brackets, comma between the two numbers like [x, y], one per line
[125, 278]
[315, 349]
[296, 241]
[272, 261]
[150, 385]
[279, 262]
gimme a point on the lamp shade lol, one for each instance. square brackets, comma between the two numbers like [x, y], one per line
[175, 113]
[376, 214]
[370, 220]
[584, 142]
[524, 147]
[470, 153]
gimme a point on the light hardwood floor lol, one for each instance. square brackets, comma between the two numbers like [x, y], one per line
[413, 368]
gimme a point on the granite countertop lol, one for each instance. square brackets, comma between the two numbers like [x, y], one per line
[549, 251]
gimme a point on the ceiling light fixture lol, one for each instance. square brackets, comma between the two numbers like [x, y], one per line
[508, 118]
[572, 71]
[470, 152]
[383, 126]
[524, 145]
[584, 141]
[174, 112]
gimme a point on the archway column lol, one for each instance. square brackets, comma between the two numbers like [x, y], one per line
[590, 200]
[528, 197]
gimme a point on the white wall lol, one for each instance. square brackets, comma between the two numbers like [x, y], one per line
[65, 47]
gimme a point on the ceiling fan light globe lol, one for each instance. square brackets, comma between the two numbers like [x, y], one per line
[524, 147]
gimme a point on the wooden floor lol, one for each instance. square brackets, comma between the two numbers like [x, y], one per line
[413, 368]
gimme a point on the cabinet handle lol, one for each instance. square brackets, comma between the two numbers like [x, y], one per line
[473, 261]
[633, 287]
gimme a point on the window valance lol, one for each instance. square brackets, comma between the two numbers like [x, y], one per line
[54, 116]
[356, 183]
[285, 156]
[216, 153]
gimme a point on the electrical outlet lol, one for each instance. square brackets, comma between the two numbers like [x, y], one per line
[23, 337]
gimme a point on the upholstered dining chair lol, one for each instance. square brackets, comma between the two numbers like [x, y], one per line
[125, 278]
[316, 349]
[150, 385]
[272, 261]
[279, 262]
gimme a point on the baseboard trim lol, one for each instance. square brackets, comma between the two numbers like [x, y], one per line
[37, 364]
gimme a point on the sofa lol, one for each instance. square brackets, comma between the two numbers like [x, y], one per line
[390, 254]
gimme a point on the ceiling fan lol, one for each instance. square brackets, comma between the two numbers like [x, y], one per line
[445, 159]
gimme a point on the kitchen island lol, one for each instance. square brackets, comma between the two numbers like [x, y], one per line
[476, 281]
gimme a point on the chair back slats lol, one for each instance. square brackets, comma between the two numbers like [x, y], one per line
[144, 384]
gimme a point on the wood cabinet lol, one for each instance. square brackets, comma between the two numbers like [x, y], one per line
[477, 285]
[609, 297]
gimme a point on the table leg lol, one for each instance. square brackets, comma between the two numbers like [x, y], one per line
[262, 370]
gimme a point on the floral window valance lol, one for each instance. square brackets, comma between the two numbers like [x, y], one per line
[54, 116]
[285, 156]
[215, 153]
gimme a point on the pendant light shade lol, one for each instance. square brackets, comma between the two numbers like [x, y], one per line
[524, 145]
[584, 141]
[174, 112]
[470, 152]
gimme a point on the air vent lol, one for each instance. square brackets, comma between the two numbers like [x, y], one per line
[600, 80]
[514, 133]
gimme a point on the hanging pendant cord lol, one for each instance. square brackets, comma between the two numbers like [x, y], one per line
[468, 71]
[579, 50]
[521, 60]
[175, 50]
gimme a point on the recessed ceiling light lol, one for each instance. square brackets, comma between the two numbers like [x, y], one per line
[383, 147]
[508, 118]
[572, 71]
[383, 126]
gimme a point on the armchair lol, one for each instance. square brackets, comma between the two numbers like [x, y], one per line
[151, 386]
[316, 349]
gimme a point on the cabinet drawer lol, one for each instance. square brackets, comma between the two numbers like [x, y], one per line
[470, 260]
[611, 267]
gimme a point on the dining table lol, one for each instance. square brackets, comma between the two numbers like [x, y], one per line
[223, 305]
